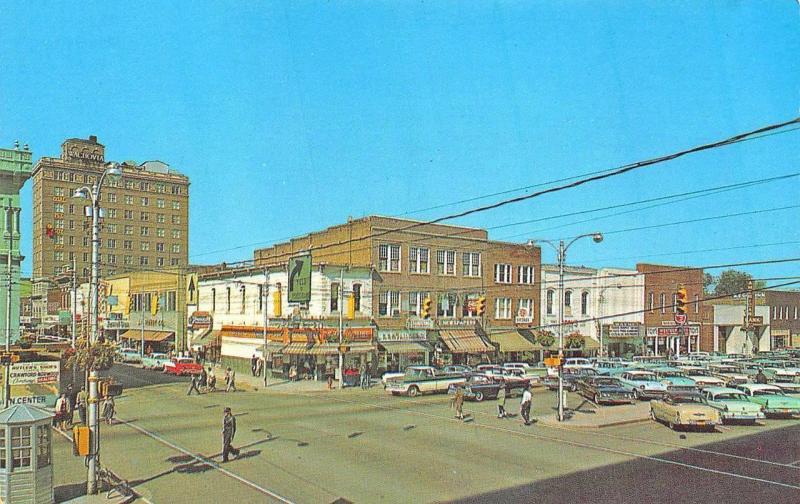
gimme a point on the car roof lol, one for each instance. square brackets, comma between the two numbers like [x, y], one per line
[639, 372]
[759, 386]
[721, 390]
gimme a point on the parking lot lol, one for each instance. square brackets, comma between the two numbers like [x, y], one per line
[368, 446]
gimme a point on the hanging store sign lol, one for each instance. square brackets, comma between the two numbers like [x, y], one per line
[419, 323]
[624, 330]
[300, 279]
[395, 335]
[692, 330]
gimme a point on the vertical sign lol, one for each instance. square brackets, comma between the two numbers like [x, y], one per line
[192, 289]
[300, 279]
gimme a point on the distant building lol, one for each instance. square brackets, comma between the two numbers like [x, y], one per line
[784, 309]
[145, 214]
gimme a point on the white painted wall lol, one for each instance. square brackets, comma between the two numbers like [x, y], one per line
[733, 315]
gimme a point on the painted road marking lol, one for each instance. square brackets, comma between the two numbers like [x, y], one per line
[205, 461]
[586, 445]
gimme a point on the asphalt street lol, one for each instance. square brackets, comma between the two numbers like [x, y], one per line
[367, 446]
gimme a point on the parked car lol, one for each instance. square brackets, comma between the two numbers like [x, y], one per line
[477, 387]
[702, 377]
[773, 401]
[643, 384]
[788, 385]
[457, 369]
[155, 361]
[570, 377]
[732, 404]
[180, 366]
[604, 390]
[577, 362]
[729, 373]
[392, 375]
[611, 368]
[684, 410]
[675, 379]
[129, 355]
[422, 379]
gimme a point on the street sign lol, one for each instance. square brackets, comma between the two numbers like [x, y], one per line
[681, 318]
[300, 279]
[552, 362]
[192, 288]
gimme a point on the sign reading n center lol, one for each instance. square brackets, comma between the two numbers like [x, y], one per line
[33, 383]
[300, 279]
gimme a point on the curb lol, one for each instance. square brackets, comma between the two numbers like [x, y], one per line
[598, 426]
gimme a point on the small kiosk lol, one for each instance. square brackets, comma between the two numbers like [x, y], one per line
[26, 465]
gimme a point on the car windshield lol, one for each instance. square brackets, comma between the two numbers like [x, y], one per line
[644, 377]
[730, 396]
[766, 392]
[685, 399]
[610, 382]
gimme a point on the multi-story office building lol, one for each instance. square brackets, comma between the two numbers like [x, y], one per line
[144, 217]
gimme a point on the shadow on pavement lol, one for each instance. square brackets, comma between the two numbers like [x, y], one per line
[63, 493]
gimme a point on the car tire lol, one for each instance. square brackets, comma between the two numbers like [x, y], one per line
[479, 396]
[413, 391]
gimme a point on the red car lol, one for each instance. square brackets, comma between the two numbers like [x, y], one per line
[183, 366]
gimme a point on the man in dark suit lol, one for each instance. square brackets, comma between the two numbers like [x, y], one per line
[228, 432]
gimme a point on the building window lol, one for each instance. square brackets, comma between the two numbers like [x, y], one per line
[145, 216]
[160, 218]
[176, 248]
[128, 197]
[502, 308]
[415, 300]
[58, 207]
[243, 290]
[174, 261]
[42, 446]
[127, 260]
[159, 261]
[418, 260]
[502, 273]
[389, 304]
[471, 262]
[674, 303]
[144, 231]
[143, 261]
[145, 201]
[696, 303]
[112, 197]
[160, 203]
[525, 275]
[525, 308]
[357, 297]
[584, 303]
[112, 213]
[663, 302]
[334, 296]
[127, 244]
[468, 307]
[176, 233]
[567, 300]
[446, 306]
[176, 219]
[389, 257]
[651, 298]
[160, 247]
[228, 299]
[111, 228]
[549, 307]
[160, 232]
[213, 299]
[58, 191]
[20, 446]
[446, 262]
[145, 246]
[176, 205]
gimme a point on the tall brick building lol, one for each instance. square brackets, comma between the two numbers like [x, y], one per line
[784, 317]
[145, 219]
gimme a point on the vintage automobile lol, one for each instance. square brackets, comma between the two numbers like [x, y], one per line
[457, 369]
[611, 368]
[682, 409]
[701, 377]
[773, 401]
[129, 355]
[155, 361]
[538, 371]
[514, 378]
[643, 384]
[788, 385]
[675, 379]
[181, 366]
[570, 377]
[477, 387]
[729, 373]
[604, 390]
[732, 404]
[578, 362]
[422, 379]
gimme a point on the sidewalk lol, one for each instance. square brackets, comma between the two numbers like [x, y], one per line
[589, 416]
[246, 381]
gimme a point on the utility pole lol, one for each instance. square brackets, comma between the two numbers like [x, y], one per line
[265, 353]
[7, 366]
[341, 328]
[74, 317]
[561, 254]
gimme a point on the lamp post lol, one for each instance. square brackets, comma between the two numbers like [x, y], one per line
[12, 225]
[264, 354]
[93, 194]
[601, 300]
[561, 251]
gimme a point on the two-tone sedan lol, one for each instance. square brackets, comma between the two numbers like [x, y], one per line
[773, 401]
[477, 387]
[731, 374]
[702, 378]
[732, 404]
[675, 379]
[129, 355]
[155, 361]
[643, 384]
[684, 410]
[605, 390]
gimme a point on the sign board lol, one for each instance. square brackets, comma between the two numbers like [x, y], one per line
[389, 335]
[523, 319]
[192, 289]
[552, 361]
[456, 323]
[690, 330]
[419, 323]
[624, 330]
[33, 383]
[200, 320]
[755, 320]
[681, 318]
[300, 279]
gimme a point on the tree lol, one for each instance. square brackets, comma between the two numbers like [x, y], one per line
[708, 282]
[97, 357]
[732, 282]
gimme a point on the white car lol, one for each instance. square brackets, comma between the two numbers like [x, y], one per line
[578, 362]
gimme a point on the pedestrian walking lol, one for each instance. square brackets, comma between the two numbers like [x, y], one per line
[109, 409]
[458, 403]
[501, 402]
[253, 364]
[61, 410]
[72, 397]
[228, 433]
[83, 402]
[368, 377]
[193, 385]
[203, 382]
[525, 406]
[363, 375]
[329, 375]
[212, 380]
[230, 379]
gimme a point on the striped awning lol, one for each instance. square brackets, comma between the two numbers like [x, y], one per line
[405, 347]
[297, 349]
[512, 341]
[464, 341]
[155, 336]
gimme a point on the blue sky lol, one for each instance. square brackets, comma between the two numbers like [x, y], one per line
[291, 116]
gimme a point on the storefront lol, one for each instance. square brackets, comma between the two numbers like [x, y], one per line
[672, 339]
[623, 339]
[461, 342]
[154, 341]
[400, 348]
[513, 346]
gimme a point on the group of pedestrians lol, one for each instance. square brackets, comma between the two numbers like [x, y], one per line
[256, 365]
[70, 400]
[525, 404]
[206, 382]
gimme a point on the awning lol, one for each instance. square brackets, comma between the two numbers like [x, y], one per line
[588, 344]
[464, 341]
[333, 348]
[360, 347]
[324, 349]
[206, 338]
[297, 349]
[275, 346]
[154, 336]
[405, 347]
[512, 341]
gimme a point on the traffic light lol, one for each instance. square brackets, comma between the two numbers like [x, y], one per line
[276, 304]
[351, 307]
[425, 311]
[681, 300]
[480, 306]
[154, 304]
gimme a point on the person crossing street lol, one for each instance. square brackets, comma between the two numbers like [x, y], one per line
[228, 433]
[193, 386]
[525, 406]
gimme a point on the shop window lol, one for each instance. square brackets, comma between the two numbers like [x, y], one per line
[549, 302]
[334, 296]
[446, 306]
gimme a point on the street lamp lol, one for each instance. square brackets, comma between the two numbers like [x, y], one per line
[93, 194]
[561, 251]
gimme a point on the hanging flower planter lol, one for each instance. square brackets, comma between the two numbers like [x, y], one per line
[545, 338]
[575, 341]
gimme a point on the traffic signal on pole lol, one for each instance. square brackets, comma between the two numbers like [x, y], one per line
[154, 304]
[425, 311]
[480, 306]
[681, 300]
[351, 307]
[276, 304]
